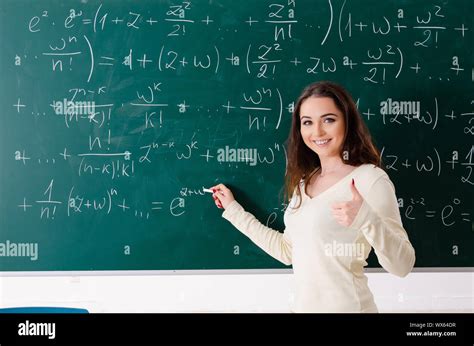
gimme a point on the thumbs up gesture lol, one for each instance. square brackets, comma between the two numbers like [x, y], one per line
[345, 212]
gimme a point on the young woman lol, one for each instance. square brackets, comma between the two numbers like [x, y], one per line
[343, 205]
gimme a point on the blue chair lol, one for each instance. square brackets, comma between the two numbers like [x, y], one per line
[43, 310]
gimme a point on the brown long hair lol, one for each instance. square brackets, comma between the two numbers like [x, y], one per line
[357, 143]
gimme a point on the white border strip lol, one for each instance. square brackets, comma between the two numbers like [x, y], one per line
[207, 272]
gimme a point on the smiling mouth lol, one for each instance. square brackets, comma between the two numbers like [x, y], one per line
[322, 143]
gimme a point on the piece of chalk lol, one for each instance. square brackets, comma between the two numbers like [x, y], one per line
[207, 190]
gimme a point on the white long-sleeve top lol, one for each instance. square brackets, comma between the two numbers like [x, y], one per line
[328, 259]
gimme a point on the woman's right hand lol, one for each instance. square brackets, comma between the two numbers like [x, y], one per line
[222, 195]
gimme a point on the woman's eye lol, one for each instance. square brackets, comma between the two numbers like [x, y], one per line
[329, 120]
[307, 122]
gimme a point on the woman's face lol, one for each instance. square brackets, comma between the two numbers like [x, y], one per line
[322, 126]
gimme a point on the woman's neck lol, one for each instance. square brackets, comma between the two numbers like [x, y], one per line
[330, 165]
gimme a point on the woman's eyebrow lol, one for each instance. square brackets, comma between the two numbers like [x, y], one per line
[322, 116]
[328, 114]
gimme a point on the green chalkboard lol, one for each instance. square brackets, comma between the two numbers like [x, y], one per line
[115, 114]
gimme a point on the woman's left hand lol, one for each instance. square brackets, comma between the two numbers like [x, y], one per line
[346, 212]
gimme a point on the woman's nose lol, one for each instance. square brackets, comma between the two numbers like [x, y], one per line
[318, 130]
